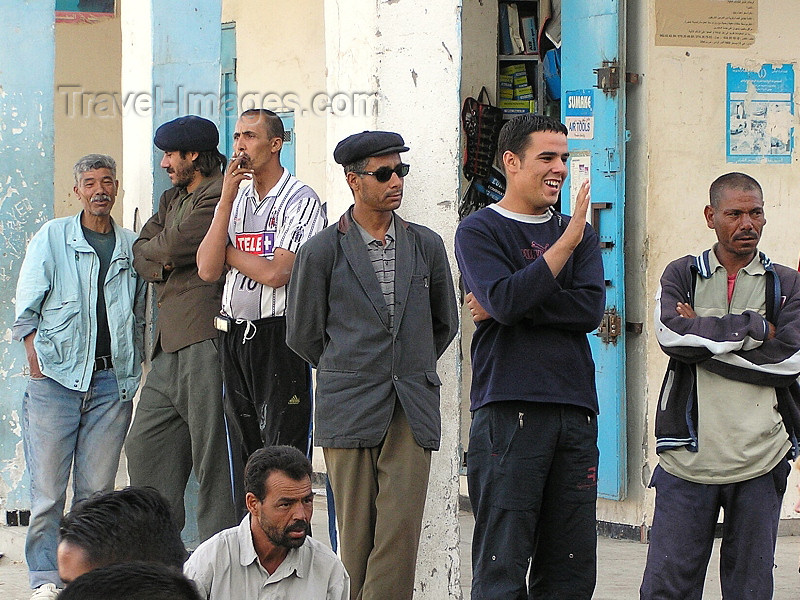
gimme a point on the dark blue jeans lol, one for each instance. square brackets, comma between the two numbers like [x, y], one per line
[682, 536]
[532, 475]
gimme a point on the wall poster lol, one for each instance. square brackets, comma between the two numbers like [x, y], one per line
[760, 114]
[706, 23]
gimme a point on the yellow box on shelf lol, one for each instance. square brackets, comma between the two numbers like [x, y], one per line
[530, 105]
[520, 79]
[511, 69]
[512, 108]
[523, 93]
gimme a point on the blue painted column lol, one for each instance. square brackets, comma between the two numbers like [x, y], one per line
[186, 42]
[186, 67]
[27, 57]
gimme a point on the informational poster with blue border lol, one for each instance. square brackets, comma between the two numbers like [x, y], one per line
[579, 114]
[760, 114]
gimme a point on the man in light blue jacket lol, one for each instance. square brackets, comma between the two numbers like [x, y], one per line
[80, 313]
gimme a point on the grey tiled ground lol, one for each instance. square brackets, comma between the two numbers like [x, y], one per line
[620, 563]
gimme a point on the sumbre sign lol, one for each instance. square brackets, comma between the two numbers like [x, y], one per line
[579, 114]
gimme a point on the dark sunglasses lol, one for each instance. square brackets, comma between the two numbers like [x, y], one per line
[384, 174]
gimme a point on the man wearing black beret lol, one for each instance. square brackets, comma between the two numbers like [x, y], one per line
[179, 423]
[371, 305]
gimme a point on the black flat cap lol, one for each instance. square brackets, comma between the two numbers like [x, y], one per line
[366, 144]
[187, 134]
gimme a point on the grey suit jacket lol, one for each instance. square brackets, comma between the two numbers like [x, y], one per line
[337, 320]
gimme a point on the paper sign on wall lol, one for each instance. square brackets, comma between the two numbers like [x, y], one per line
[760, 114]
[580, 170]
[706, 23]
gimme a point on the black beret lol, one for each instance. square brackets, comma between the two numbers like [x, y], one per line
[366, 144]
[187, 134]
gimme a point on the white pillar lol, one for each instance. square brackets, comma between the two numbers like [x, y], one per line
[137, 124]
[409, 54]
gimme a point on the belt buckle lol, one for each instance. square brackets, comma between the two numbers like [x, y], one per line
[221, 323]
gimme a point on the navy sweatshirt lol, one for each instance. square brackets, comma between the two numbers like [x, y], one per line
[535, 347]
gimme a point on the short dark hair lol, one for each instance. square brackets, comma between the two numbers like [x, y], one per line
[286, 459]
[732, 181]
[514, 134]
[208, 162]
[134, 523]
[357, 166]
[272, 120]
[131, 581]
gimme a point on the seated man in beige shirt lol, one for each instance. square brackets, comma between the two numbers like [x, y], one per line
[270, 554]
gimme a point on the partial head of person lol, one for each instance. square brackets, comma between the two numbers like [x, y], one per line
[279, 498]
[190, 150]
[534, 153]
[736, 214]
[258, 139]
[132, 524]
[96, 185]
[131, 581]
[374, 171]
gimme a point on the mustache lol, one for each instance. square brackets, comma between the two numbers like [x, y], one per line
[745, 236]
[300, 526]
[101, 198]
[244, 156]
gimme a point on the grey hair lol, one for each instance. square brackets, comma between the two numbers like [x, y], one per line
[90, 162]
[356, 166]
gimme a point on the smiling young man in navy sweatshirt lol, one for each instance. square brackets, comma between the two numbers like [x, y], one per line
[536, 288]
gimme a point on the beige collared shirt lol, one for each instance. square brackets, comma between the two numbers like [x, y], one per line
[226, 567]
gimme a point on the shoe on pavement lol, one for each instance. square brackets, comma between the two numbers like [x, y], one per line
[48, 591]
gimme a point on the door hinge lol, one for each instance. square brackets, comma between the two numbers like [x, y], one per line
[610, 327]
[608, 76]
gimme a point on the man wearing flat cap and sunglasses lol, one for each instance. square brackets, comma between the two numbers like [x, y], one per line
[371, 305]
[179, 423]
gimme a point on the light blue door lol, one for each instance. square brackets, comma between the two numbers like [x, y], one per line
[288, 158]
[593, 107]
[229, 104]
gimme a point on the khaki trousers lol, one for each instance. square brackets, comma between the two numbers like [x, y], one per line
[380, 497]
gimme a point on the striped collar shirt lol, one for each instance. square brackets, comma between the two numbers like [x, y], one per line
[286, 217]
[381, 254]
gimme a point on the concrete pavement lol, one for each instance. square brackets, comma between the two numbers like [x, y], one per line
[620, 563]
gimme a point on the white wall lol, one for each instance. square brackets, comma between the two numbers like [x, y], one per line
[409, 53]
[404, 58]
[280, 49]
[137, 128]
[86, 120]
[686, 98]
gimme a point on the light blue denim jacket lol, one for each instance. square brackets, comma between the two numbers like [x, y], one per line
[57, 295]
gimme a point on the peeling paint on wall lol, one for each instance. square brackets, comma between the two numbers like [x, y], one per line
[26, 201]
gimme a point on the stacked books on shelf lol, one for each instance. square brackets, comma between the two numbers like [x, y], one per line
[516, 92]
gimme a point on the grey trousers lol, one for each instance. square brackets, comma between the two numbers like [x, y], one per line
[179, 425]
